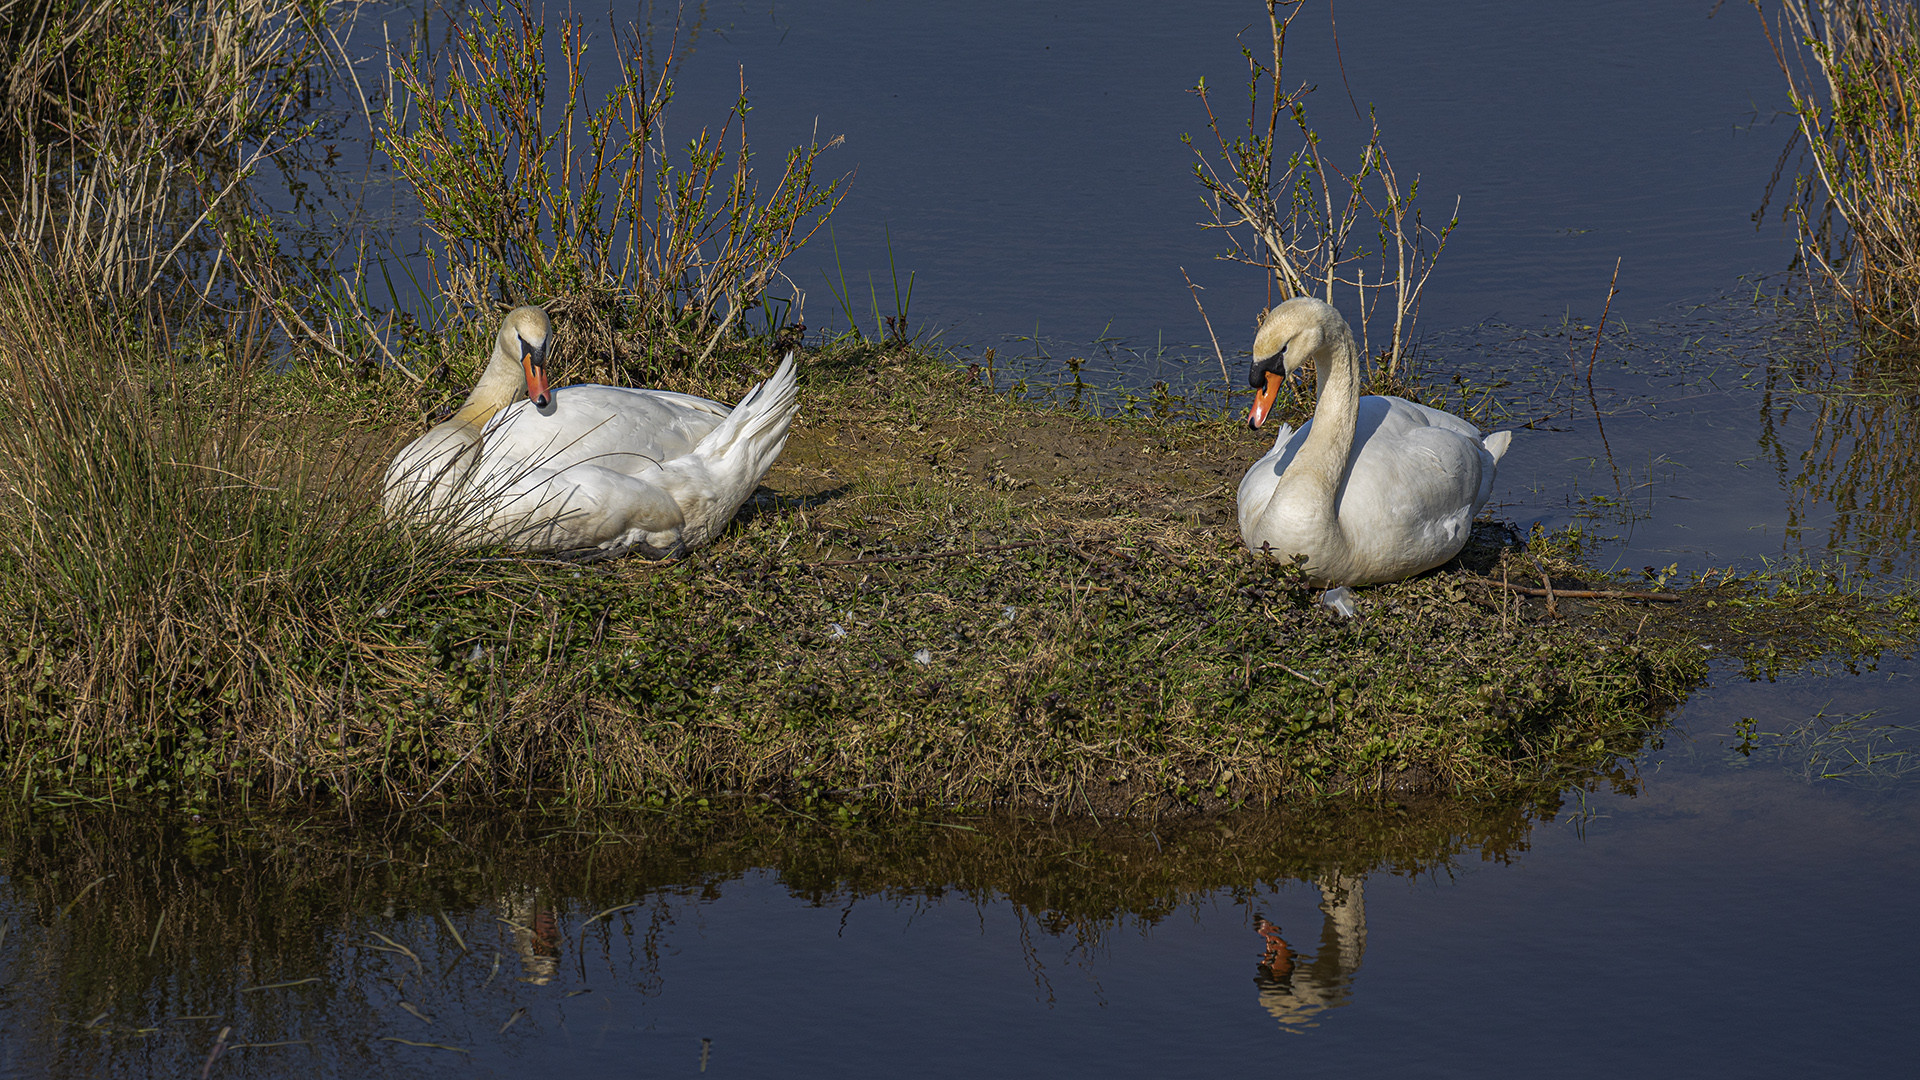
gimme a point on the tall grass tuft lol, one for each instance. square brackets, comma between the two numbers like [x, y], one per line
[651, 252]
[133, 128]
[190, 570]
[1853, 76]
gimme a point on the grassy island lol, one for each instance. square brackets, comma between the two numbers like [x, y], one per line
[942, 597]
[947, 595]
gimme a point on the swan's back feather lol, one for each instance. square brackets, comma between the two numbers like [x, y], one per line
[614, 427]
[601, 470]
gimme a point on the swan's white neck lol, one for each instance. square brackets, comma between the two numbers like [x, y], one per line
[502, 383]
[1322, 459]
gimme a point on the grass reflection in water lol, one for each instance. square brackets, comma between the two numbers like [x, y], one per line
[138, 947]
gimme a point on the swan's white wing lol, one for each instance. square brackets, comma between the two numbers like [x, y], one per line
[1413, 485]
[429, 473]
[1258, 485]
[1408, 412]
[581, 508]
[638, 470]
[1392, 420]
[625, 430]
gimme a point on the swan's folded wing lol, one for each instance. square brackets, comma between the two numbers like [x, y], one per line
[1422, 487]
[580, 508]
[429, 473]
[627, 431]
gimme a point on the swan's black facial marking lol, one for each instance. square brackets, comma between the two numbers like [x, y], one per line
[1257, 375]
[534, 358]
[1266, 378]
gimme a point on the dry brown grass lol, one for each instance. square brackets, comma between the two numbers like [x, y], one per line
[1853, 77]
[134, 126]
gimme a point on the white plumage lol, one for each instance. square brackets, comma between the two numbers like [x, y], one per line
[1373, 488]
[587, 469]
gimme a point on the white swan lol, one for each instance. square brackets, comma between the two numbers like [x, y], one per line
[587, 469]
[1372, 488]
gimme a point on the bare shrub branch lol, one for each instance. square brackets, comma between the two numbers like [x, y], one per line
[137, 124]
[1296, 218]
[1853, 77]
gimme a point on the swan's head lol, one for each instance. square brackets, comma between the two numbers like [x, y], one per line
[1289, 336]
[523, 337]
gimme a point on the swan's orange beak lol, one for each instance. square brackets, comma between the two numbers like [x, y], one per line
[534, 364]
[1263, 401]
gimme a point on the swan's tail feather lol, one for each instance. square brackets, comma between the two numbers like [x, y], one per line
[758, 425]
[1497, 442]
[727, 465]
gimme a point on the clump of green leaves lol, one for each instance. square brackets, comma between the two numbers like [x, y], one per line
[586, 207]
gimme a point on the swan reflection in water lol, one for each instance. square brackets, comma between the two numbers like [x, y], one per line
[1297, 989]
[535, 934]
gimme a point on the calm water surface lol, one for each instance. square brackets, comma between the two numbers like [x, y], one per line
[1716, 913]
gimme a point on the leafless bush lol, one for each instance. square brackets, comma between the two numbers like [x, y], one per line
[1297, 217]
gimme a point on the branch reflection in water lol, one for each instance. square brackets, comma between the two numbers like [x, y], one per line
[1862, 464]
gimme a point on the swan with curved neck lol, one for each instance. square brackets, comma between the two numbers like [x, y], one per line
[598, 470]
[1373, 488]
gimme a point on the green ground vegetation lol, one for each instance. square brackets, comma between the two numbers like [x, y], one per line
[941, 599]
[949, 595]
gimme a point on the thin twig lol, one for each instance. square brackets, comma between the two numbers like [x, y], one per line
[1546, 586]
[219, 1044]
[524, 561]
[1297, 675]
[929, 555]
[1612, 290]
[421, 801]
[1503, 599]
[1582, 594]
[1195, 291]
[1593, 401]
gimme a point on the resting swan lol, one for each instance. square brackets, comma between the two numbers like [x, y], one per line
[586, 469]
[1372, 488]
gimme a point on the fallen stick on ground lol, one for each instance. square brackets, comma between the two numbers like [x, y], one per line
[931, 555]
[1583, 594]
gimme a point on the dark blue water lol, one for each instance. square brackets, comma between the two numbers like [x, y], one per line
[1028, 164]
[1025, 164]
[1737, 914]
[1735, 917]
